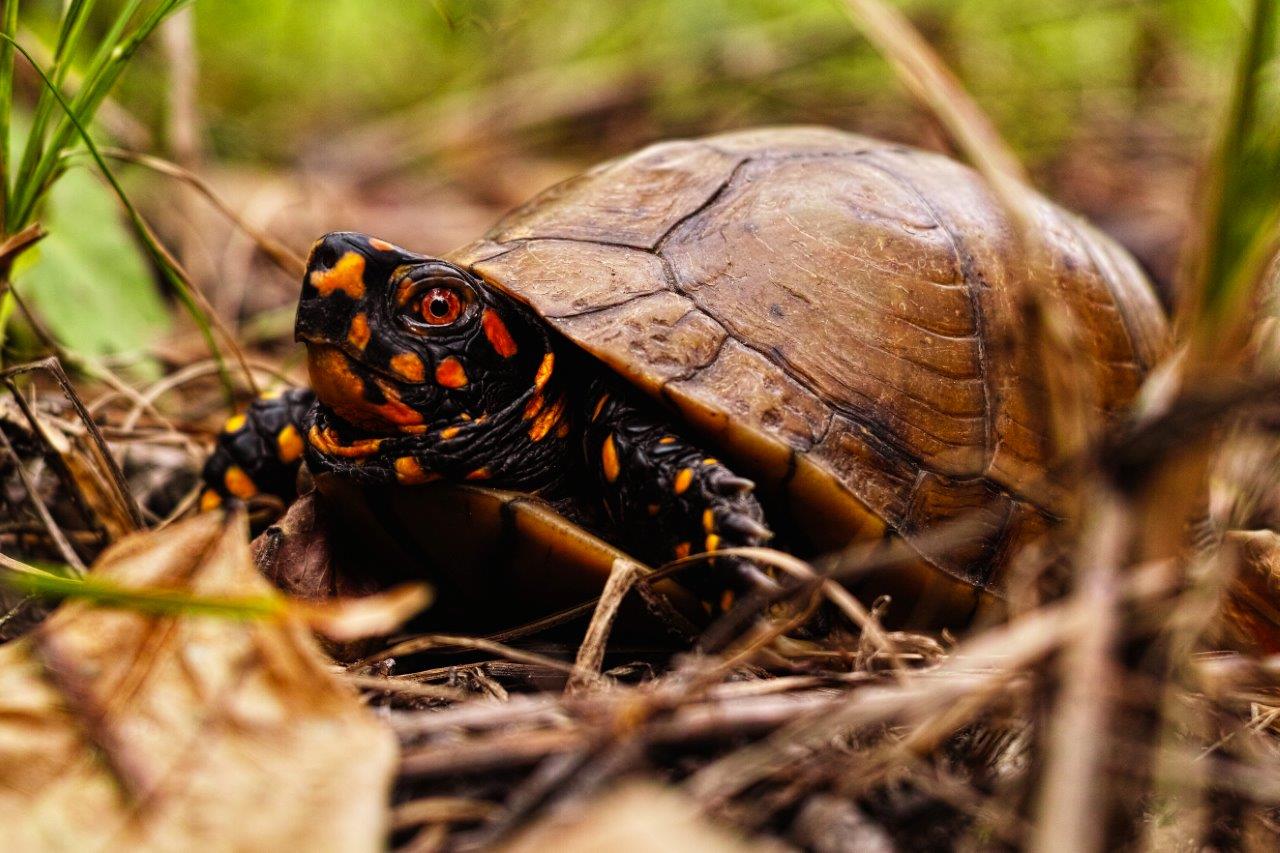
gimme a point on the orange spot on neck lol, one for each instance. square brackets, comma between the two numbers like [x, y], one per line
[449, 373]
[346, 275]
[496, 331]
[544, 371]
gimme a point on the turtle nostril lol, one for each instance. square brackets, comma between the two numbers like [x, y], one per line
[326, 256]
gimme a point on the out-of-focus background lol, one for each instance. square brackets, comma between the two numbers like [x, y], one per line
[423, 121]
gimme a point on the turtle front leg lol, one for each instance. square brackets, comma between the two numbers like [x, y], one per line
[668, 497]
[259, 451]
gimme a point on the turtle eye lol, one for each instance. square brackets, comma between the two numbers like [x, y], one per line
[440, 306]
[434, 304]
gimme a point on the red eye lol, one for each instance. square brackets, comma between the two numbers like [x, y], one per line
[440, 306]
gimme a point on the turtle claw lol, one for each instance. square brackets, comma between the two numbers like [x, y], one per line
[731, 484]
[746, 528]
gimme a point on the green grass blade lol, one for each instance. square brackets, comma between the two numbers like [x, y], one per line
[162, 602]
[9, 27]
[200, 312]
[69, 32]
[1240, 197]
[108, 64]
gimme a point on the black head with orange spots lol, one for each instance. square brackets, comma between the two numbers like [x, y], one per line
[402, 343]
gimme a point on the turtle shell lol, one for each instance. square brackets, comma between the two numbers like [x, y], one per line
[837, 316]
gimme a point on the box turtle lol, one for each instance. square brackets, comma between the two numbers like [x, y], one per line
[791, 331]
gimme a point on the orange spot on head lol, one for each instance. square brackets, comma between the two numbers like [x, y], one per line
[289, 445]
[409, 472]
[549, 418]
[479, 474]
[609, 459]
[405, 291]
[496, 331]
[238, 483]
[346, 275]
[449, 373]
[595, 413]
[708, 520]
[684, 479]
[682, 550]
[358, 331]
[543, 375]
[408, 365]
[210, 500]
[394, 411]
[339, 388]
[235, 423]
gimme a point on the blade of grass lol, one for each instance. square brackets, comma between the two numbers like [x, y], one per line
[202, 313]
[113, 56]
[9, 27]
[72, 27]
[1240, 197]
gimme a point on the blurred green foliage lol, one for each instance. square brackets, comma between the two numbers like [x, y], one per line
[282, 82]
[89, 279]
[279, 75]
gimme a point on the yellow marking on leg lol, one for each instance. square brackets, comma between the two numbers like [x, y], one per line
[210, 500]
[358, 331]
[408, 366]
[238, 483]
[289, 445]
[595, 413]
[543, 375]
[450, 374]
[235, 423]
[711, 460]
[708, 520]
[346, 275]
[410, 473]
[713, 542]
[609, 459]
[450, 432]
[682, 550]
[684, 479]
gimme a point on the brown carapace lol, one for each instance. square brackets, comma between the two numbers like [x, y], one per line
[834, 317]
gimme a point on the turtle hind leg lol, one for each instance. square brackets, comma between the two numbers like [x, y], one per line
[666, 495]
[259, 451]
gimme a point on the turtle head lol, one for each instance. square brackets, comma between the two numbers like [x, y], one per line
[399, 342]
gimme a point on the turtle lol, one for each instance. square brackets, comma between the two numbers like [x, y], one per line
[793, 335]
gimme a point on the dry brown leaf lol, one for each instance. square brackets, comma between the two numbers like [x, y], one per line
[123, 730]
